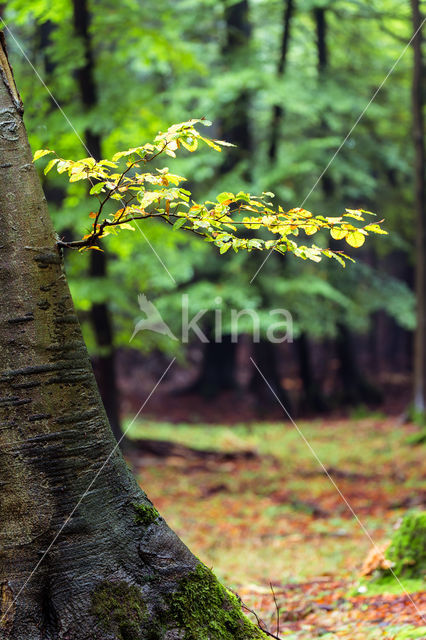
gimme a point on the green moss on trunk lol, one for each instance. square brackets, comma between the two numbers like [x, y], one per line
[200, 609]
[145, 514]
[120, 609]
[205, 610]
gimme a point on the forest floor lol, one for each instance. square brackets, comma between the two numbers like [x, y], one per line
[272, 520]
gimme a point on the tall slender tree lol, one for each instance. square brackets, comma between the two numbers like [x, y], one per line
[278, 110]
[418, 104]
[100, 316]
[218, 366]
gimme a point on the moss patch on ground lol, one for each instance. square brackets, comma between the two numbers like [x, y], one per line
[407, 551]
[205, 610]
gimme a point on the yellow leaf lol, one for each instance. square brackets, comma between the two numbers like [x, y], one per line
[338, 233]
[355, 238]
[40, 153]
[310, 229]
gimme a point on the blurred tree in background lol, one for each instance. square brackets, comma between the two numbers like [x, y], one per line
[285, 81]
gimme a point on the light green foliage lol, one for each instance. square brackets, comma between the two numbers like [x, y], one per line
[159, 195]
[171, 65]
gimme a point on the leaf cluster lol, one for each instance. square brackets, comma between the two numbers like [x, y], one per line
[225, 222]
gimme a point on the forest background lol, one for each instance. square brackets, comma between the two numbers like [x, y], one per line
[285, 81]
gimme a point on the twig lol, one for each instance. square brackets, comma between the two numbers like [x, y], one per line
[260, 623]
[276, 607]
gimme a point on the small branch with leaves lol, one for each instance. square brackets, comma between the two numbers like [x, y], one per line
[138, 195]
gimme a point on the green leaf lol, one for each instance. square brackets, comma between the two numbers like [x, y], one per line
[179, 223]
[97, 188]
[226, 195]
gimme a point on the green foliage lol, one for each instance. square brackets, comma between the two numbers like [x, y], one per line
[171, 70]
[158, 195]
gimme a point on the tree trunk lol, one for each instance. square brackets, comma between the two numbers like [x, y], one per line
[418, 101]
[116, 571]
[235, 121]
[219, 365]
[265, 357]
[327, 182]
[312, 399]
[278, 110]
[105, 365]
[355, 388]
[218, 368]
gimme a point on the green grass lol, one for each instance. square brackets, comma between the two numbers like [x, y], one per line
[389, 586]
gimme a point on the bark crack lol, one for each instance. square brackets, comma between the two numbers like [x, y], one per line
[7, 75]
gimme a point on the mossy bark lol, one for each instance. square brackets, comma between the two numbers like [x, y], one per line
[108, 575]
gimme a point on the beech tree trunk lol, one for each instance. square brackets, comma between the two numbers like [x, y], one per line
[218, 368]
[320, 18]
[278, 110]
[116, 571]
[418, 101]
[219, 363]
[106, 371]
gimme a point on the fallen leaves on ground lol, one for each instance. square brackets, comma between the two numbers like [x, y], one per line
[277, 518]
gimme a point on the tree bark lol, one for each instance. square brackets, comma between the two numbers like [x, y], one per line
[236, 123]
[218, 367]
[312, 399]
[116, 571]
[418, 102]
[265, 357]
[320, 17]
[278, 110]
[355, 388]
[105, 365]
